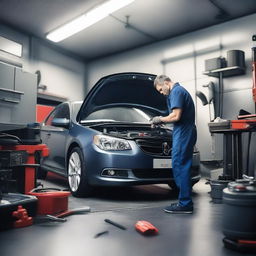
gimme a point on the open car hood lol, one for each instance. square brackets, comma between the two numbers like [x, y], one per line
[124, 89]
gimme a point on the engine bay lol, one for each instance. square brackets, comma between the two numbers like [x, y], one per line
[135, 132]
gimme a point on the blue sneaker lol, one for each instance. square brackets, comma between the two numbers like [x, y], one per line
[176, 208]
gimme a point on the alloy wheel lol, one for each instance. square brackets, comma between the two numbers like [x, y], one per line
[74, 171]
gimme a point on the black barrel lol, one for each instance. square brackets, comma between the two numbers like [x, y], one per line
[235, 58]
[239, 211]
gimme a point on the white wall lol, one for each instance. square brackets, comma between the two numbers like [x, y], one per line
[182, 58]
[64, 75]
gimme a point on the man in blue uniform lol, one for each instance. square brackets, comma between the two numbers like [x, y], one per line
[182, 115]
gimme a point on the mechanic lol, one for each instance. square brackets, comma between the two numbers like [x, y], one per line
[182, 115]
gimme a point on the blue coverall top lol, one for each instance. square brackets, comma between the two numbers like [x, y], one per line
[183, 141]
[180, 98]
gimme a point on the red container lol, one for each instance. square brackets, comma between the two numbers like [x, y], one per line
[243, 124]
[51, 202]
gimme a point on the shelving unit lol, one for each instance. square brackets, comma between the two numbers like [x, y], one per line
[221, 73]
[226, 72]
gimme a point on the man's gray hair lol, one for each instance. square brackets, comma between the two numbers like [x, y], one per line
[161, 79]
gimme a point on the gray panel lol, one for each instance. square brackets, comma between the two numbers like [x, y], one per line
[5, 112]
[6, 82]
[6, 77]
[25, 111]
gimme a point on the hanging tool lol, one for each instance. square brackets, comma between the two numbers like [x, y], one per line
[254, 74]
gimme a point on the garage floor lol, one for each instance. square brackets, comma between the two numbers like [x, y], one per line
[179, 235]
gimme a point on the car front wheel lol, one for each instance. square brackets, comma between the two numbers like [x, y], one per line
[77, 181]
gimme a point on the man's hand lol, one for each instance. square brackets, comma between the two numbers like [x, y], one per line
[156, 120]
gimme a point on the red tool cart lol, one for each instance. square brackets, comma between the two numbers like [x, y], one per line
[25, 172]
[19, 147]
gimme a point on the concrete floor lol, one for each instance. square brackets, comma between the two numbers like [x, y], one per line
[179, 235]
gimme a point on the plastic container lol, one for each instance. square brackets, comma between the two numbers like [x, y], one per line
[51, 201]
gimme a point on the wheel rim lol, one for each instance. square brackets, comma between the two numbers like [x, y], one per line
[74, 171]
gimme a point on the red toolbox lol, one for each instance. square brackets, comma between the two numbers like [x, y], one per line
[50, 201]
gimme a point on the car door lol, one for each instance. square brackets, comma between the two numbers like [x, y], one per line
[55, 138]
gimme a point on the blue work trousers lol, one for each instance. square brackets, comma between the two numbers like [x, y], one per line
[183, 143]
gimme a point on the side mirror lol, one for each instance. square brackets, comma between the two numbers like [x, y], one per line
[61, 122]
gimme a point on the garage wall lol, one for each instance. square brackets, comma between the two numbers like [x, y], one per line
[62, 73]
[182, 58]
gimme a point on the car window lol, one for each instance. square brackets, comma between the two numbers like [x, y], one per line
[61, 111]
[76, 107]
[121, 114]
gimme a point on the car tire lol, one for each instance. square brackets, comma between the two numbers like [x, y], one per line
[77, 179]
[40, 173]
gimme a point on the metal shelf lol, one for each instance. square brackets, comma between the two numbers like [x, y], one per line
[10, 96]
[226, 72]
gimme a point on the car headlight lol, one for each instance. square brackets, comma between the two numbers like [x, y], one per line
[110, 143]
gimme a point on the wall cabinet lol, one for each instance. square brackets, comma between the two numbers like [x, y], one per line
[18, 92]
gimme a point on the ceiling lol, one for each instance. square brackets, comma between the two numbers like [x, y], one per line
[149, 21]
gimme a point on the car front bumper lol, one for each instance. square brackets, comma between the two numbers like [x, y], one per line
[132, 167]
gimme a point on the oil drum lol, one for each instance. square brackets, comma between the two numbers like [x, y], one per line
[239, 210]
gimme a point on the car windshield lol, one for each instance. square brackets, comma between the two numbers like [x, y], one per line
[120, 114]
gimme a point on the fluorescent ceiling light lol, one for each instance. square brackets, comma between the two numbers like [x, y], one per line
[87, 19]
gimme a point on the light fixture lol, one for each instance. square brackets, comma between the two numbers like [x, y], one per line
[86, 19]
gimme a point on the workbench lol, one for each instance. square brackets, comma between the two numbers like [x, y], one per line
[232, 152]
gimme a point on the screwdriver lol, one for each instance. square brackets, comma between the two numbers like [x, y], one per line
[101, 233]
[115, 224]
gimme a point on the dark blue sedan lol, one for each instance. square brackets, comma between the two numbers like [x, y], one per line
[107, 140]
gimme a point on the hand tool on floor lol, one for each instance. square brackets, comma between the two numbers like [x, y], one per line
[81, 210]
[60, 216]
[115, 224]
[47, 218]
[101, 233]
[146, 228]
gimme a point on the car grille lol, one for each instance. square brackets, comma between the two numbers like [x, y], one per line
[152, 173]
[155, 146]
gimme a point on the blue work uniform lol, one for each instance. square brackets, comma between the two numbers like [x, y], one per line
[183, 141]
